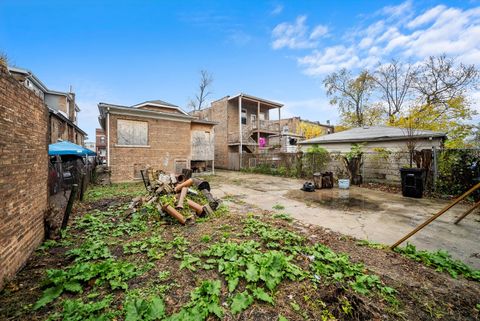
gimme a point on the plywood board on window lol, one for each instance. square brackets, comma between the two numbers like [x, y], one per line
[203, 145]
[132, 132]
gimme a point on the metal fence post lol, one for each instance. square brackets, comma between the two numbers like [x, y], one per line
[363, 167]
[435, 167]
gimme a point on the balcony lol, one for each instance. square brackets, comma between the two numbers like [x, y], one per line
[266, 125]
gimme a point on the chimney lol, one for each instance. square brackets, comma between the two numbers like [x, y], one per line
[72, 111]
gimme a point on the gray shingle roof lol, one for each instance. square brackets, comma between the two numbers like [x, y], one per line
[158, 102]
[370, 133]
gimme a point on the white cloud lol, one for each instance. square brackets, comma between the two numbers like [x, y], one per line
[399, 10]
[427, 17]
[318, 32]
[396, 31]
[328, 60]
[297, 35]
[365, 42]
[277, 10]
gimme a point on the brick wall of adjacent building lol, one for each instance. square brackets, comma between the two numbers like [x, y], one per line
[100, 144]
[218, 112]
[23, 173]
[61, 130]
[294, 125]
[58, 130]
[168, 141]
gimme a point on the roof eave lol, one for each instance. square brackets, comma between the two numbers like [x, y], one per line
[359, 140]
[103, 106]
[59, 115]
[254, 98]
[207, 122]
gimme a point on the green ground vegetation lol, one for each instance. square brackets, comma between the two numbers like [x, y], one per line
[142, 266]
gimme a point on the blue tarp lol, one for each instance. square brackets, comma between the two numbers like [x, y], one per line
[67, 148]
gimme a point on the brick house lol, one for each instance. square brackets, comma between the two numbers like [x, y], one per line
[296, 129]
[154, 133]
[62, 109]
[244, 126]
[299, 126]
[100, 144]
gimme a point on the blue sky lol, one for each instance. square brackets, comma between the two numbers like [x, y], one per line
[125, 52]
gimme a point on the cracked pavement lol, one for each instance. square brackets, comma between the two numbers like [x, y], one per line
[359, 212]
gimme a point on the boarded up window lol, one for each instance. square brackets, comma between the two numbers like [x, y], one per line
[131, 132]
[203, 145]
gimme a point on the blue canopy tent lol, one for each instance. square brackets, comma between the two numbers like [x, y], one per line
[67, 148]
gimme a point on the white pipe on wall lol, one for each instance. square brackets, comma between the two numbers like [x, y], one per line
[108, 137]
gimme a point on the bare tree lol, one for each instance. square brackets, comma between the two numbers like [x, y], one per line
[394, 80]
[350, 94]
[206, 80]
[411, 134]
[3, 58]
[441, 79]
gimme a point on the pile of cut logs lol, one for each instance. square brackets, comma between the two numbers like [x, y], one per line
[189, 194]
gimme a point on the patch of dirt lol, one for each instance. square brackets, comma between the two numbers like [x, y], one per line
[423, 293]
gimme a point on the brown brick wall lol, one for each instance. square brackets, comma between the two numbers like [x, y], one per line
[98, 134]
[200, 126]
[219, 114]
[168, 140]
[58, 130]
[226, 114]
[71, 107]
[23, 173]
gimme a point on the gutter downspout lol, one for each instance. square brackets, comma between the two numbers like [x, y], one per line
[108, 136]
[240, 147]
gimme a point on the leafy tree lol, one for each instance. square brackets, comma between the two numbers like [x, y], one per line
[475, 139]
[351, 95]
[310, 130]
[449, 120]
[206, 80]
[373, 115]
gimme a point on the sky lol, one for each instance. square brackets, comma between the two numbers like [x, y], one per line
[126, 52]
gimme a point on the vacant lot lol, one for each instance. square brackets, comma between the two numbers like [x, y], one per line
[359, 212]
[243, 263]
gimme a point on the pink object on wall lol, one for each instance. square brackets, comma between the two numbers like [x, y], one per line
[262, 142]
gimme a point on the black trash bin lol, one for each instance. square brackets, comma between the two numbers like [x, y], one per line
[412, 182]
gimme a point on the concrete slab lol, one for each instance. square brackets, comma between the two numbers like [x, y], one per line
[359, 212]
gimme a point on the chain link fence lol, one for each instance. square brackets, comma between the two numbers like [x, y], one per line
[449, 171]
